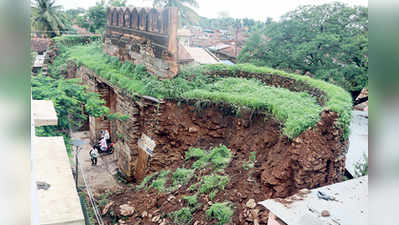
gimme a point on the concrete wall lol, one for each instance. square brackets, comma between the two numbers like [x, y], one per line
[144, 36]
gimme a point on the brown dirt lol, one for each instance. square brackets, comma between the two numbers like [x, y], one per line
[282, 166]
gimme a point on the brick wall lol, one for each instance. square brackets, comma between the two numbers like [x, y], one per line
[144, 36]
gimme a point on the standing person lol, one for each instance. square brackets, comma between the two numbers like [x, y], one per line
[106, 136]
[93, 156]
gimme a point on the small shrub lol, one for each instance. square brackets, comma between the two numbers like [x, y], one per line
[194, 187]
[251, 163]
[161, 180]
[195, 153]
[220, 211]
[191, 200]
[220, 156]
[145, 181]
[182, 216]
[212, 182]
[182, 176]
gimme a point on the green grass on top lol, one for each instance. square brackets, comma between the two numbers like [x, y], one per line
[338, 100]
[296, 111]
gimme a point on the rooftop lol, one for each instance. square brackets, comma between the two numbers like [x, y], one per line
[349, 207]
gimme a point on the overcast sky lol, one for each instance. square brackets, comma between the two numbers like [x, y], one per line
[255, 9]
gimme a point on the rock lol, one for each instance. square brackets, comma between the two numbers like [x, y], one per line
[121, 221]
[325, 213]
[196, 222]
[126, 210]
[163, 222]
[193, 129]
[171, 197]
[144, 214]
[156, 218]
[106, 208]
[251, 203]
[256, 222]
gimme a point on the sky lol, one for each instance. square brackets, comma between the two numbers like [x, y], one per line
[254, 9]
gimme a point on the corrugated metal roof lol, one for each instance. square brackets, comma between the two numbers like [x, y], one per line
[349, 207]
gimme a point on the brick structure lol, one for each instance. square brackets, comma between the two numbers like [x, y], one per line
[144, 36]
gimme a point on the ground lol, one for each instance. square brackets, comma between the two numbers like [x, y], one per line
[101, 177]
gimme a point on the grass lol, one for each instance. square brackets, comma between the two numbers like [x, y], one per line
[145, 181]
[220, 211]
[296, 111]
[338, 100]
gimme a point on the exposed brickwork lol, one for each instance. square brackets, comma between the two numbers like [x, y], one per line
[144, 36]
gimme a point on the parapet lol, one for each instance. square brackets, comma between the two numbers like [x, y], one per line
[146, 36]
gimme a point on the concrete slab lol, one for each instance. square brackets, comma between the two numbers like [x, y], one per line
[349, 207]
[59, 204]
[358, 141]
[44, 113]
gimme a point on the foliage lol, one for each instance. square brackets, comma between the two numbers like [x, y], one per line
[182, 216]
[251, 163]
[226, 23]
[161, 180]
[182, 176]
[219, 156]
[117, 116]
[213, 182]
[329, 42]
[186, 13]
[145, 181]
[220, 211]
[297, 111]
[47, 18]
[192, 200]
[200, 84]
[338, 100]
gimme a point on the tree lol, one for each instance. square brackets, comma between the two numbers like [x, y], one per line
[117, 3]
[47, 18]
[329, 42]
[187, 14]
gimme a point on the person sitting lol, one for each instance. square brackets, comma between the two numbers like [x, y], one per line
[103, 144]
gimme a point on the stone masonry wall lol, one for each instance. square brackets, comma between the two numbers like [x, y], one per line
[144, 36]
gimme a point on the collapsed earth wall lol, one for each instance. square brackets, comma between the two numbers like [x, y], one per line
[313, 159]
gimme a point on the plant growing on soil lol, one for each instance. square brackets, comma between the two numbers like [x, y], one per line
[297, 111]
[219, 156]
[191, 200]
[145, 181]
[161, 180]
[251, 163]
[220, 211]
[182, 176]
[213, 182]
[182, 216]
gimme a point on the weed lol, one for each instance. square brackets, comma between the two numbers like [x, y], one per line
[195, 153]
[182, 216]
[212, 182]
[194, 187]
[220, 211]
[191, 200]
[182, 176]
[161, 180]
[251, 163]
[145, 181]
[219, 156]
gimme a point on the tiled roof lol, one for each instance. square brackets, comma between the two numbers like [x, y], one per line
[40, 44]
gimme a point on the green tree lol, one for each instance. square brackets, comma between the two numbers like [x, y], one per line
[47, 18]
[68, 96]
[187, 14]
[117, 3]
[329, 42]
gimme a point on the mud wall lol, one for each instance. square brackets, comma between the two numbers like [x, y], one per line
[315, 158]
[144, 36]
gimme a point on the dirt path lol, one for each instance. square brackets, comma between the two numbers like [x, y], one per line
[100, 177]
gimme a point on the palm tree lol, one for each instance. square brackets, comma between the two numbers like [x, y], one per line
[186, 13]
[47, 18]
